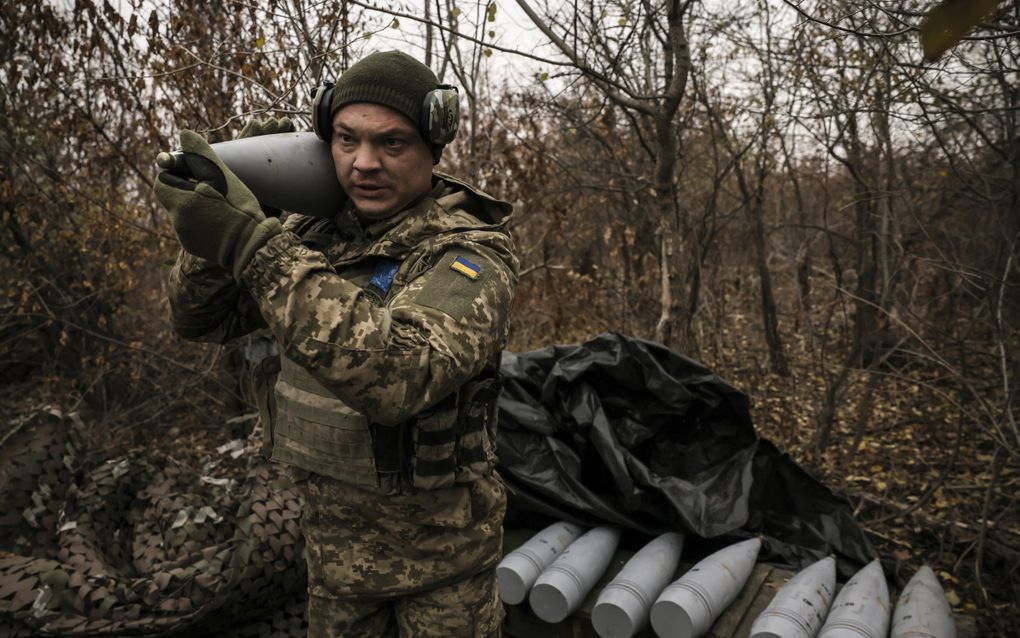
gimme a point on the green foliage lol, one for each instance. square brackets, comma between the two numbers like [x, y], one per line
[949, 22]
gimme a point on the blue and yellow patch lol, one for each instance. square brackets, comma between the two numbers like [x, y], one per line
[466, 268]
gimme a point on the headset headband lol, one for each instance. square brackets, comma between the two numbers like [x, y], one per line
[440, 114]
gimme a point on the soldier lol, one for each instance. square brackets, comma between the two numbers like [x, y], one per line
[389, 318]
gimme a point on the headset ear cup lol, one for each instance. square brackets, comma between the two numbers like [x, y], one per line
[441, 115]
[322, 98]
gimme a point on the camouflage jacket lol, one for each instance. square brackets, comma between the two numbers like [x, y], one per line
[387, 356]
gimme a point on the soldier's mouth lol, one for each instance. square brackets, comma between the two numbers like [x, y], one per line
[368, 190]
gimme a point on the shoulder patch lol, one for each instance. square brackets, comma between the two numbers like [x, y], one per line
[455, 285]
[465, 267]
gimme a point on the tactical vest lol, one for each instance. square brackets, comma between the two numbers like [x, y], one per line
[307, 426]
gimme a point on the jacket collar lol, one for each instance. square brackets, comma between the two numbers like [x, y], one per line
[451, 206]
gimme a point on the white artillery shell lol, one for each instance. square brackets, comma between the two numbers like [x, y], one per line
[561, 588]
[623, 605]
[520, 568]
[922, 610]
[799, 608]
[861, 609]
[689, 606]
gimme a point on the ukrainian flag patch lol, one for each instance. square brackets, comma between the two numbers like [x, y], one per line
[466, 268]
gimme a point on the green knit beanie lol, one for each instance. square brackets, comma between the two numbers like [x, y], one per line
[390, 78]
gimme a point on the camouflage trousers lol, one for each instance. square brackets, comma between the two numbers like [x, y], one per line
[380, 560]
[469, 608]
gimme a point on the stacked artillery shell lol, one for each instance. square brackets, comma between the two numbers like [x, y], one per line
[561, 588]
[800, 607]
[861, 610]
[520, 568]
[688, 607]
[623, 606]
[922, 610]
[290, 171]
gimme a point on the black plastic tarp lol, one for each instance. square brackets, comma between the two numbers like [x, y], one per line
[626, 432]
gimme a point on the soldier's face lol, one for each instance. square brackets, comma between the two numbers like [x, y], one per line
[381, 161]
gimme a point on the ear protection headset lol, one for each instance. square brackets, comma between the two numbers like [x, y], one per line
[440, 114]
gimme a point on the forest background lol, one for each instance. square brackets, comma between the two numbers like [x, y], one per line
[787, 191]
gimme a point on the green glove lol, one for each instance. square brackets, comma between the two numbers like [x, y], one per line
[216, 217]
[267, 126]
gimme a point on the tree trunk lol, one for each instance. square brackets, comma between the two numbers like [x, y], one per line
[674, 329]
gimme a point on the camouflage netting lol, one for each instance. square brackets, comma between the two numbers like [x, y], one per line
[142, 547]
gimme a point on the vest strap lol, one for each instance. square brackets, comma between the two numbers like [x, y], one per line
[390, 447]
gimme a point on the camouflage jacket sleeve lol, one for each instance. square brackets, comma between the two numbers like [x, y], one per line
[387, 361]
[206, 304]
